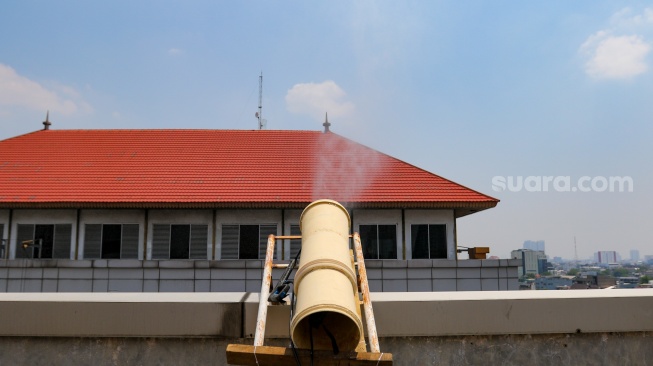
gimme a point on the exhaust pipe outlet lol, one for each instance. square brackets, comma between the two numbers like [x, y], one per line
[327, 314]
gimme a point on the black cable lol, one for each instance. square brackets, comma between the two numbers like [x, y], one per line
[311, 333]
[315, 321]
[334, 344]
[292, 313]
[282, 289]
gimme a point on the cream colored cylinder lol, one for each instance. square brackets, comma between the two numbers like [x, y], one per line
[325, 283]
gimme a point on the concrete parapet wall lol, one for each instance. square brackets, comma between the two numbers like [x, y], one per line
[634, 348]
[599, 327]
[101, 275]
[492, 312]
[122, 315]
[397, 314]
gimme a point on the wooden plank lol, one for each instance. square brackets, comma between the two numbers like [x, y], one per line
[242, 354]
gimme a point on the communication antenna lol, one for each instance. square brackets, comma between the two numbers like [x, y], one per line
[576, 252]
[259, 115]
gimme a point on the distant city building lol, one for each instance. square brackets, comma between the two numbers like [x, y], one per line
[528, 284]
[557, 260]
[605, 257]
[534, 245]
[634, 255]
[628, 282]
[533, 261]
[592, 280]
[554, 283]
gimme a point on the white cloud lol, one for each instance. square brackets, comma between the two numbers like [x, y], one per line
[626, 18]
[620, 51]
[317, 99]
[19, 91]
[175, 52]
[615, 57]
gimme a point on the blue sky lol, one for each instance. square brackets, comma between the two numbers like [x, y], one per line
[468, 90]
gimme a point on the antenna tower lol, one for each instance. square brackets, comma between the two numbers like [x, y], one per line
[576, 252]
[259, 115]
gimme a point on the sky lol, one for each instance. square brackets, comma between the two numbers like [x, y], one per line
[545, 105]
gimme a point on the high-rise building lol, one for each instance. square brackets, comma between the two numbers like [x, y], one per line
[533, 261]
[537, 245]
[606, 257]
[634, 255]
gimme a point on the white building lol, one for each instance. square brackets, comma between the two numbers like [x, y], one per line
[634, 255]
[205, 201]
[606, 257]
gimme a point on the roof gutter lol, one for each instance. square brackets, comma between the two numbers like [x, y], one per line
[262, 204]
[460, 208]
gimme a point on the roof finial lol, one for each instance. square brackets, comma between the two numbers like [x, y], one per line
[326, 123]
[47, 123]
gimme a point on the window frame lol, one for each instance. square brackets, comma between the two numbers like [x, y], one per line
[294, 245]
[56, 243]
[430, 216]
[3, 241]
[262, 241]
[134, 234]
[193, 247]
[395, 240]
[429, 240]
[59, 233]
[394, 217]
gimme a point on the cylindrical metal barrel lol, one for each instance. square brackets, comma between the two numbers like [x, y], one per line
[327, 314]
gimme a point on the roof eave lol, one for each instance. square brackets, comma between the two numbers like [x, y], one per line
[462, 208]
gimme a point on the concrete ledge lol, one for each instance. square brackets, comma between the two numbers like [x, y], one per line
[562, 328]
[513, 312]
[407, 314]
[121, 314]
[491, 313]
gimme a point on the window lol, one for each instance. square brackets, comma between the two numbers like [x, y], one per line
[295, 244]
[246, 241]
[111, 241]
[44, 241]
[379, 241]
[2, 241]
[179, 241]
[429, 241]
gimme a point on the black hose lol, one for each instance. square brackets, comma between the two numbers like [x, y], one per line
[292, 312]
[311, 333]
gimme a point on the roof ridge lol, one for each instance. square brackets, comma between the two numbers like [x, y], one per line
[167, 129]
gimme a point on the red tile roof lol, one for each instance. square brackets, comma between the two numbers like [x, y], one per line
[214, 168]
